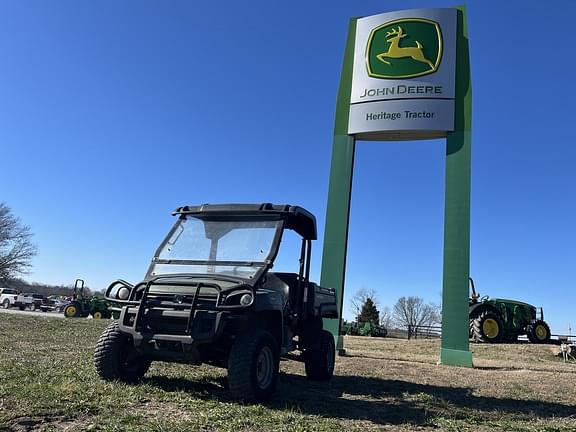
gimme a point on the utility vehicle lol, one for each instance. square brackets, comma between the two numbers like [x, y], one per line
[210, 296]
[497, 320]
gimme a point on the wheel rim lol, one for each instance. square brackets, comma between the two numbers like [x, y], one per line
[264, 367]
[491, 328]
[97, 315]
[540, 332]
[70, 311]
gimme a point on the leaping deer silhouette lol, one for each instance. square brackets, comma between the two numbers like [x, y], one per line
[396, 51]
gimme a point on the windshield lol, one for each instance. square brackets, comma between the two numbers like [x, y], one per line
[235, 248]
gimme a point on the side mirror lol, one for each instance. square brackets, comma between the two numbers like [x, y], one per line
[119, 291]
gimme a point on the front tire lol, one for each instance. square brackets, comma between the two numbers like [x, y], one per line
[6, 304]
[115, 357]
[253, 366]
[319, 362]
[538, 332]
[488, 327]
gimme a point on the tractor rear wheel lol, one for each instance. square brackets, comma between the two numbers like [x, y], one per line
[488, 327]
[319, 362]
[71, 311]
[538, 332]
[115, 357]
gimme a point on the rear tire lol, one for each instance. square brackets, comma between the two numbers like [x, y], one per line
[6, 304]
[488, 328]
[253, 366]
[538, 332]
[71, 311]
[319, 362]
[115, 357]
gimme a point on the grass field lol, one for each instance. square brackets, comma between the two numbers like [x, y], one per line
[47, 382]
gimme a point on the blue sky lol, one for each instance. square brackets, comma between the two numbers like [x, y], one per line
[114, 113]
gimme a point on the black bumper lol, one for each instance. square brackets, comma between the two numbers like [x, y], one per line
[172, 335]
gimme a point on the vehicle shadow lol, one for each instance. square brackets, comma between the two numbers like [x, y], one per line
[393, 401]
[376, 400]
[215, 388]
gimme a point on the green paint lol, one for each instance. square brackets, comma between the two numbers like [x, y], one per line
[339, 192]
[393, 49]
[455, 345]
[456, 358]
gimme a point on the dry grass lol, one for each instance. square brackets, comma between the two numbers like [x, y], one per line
[47, 383]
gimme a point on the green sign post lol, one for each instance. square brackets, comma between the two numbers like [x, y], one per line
[406, 76]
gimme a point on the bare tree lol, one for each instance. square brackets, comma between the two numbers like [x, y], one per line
[386, 318]
[16, 247]
[359, 299]
[412, 311]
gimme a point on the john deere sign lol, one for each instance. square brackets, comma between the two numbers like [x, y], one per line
[406, 75]
[405, 56]
[403, 76]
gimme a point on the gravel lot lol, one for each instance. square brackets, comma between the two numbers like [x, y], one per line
[16, 311]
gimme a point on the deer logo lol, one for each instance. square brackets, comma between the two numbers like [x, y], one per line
[404, 48]
[395, 51]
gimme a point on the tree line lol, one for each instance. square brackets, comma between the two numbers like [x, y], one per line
[407, 312]
[41, 288]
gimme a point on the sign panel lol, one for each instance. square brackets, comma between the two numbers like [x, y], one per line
[404, 73]
[402, 115]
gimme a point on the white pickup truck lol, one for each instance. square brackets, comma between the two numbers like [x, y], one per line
[30, 301]
[8, 297]
[24, 301]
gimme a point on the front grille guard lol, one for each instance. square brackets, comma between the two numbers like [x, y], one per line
[140, 298]
[144, 302]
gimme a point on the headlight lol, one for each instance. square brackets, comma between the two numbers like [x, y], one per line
[246, 299]
[241, 297]
[123, 293]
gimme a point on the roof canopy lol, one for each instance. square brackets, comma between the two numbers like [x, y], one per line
[297, 218]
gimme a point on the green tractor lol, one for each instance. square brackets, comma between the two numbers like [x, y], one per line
[366, 329]
[500, 320]
[81, 305]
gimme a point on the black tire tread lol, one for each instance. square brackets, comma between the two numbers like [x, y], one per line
[531, 332]
[240, 363]
[314, 360]
[106, 353]
[76, 314]
[479, 335]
